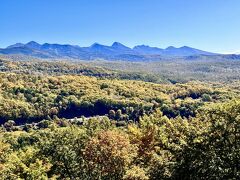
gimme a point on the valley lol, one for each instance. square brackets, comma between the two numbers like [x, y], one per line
[60, 117]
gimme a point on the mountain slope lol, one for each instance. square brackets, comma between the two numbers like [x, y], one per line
[170, 51]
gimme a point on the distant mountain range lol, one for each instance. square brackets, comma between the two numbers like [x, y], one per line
[116, 51]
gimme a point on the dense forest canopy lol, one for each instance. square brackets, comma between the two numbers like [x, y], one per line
[104, 120]
[29, 98]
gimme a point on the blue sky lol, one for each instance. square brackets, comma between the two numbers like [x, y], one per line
[212, 25]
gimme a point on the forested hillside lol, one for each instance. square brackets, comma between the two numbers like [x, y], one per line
[64, 120]
[29, 98]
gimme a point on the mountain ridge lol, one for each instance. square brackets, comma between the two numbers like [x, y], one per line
[116, 51]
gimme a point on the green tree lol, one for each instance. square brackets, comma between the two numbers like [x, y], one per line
[214, 151]
[63, 147]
